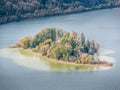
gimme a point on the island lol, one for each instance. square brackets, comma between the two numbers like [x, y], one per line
[64, 47]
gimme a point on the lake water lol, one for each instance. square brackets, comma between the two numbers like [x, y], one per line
[17, 73]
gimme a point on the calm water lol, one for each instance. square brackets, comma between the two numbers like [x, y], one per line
[103, 26]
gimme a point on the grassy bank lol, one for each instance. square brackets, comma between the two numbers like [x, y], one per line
[58, 65]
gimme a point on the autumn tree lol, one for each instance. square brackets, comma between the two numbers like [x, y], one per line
[74, 35]
[25, 42]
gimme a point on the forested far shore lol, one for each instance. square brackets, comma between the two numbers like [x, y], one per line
[63, 46]
[16, 10]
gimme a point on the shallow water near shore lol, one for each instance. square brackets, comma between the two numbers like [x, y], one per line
[17, 73]
[37, 63]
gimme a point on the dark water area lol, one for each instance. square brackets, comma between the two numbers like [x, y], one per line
[103, 26]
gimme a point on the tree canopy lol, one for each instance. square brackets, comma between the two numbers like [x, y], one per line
[58, 44]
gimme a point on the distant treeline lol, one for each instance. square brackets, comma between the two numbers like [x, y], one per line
[15, 10]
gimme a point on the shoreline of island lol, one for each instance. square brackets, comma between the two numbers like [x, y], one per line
[31, 52]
